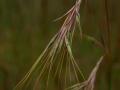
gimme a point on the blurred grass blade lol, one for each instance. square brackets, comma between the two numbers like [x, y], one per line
[79, 25]
[92, 39]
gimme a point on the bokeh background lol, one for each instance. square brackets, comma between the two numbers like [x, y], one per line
[26, 27]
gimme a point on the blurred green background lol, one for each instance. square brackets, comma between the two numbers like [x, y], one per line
[26, 27]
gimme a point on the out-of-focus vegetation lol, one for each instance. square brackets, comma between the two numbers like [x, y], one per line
[26, 27]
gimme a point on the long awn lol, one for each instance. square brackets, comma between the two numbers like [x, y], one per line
[56, 57]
